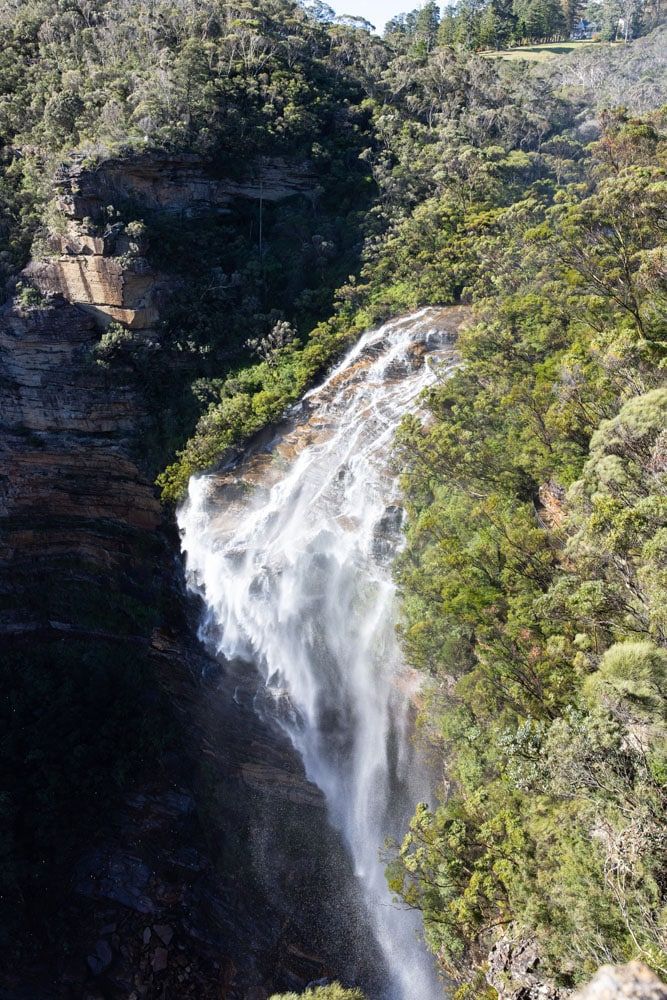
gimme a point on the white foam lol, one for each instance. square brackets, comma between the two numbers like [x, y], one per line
[296, 579]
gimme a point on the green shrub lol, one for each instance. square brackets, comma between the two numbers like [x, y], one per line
[631, 680]
[333, 992]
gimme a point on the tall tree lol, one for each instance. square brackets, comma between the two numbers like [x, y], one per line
[426, 29]
[447, 28]
[488, 28]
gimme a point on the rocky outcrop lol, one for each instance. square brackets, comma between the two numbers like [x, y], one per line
[633, 981]
[100, 263]
[179, 184]
[111, 289]
[515, 971]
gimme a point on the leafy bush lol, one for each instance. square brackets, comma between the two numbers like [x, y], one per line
[631, 682]
[29, 297]
[115, 343]
[534, 585]
[333, 992]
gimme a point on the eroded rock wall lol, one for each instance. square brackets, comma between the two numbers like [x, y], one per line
[69, 486]
[98, 265]
[186, 893]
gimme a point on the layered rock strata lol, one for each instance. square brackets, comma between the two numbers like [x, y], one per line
[100, 264]
[187, 893]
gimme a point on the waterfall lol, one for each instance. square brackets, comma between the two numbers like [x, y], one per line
[291, 551]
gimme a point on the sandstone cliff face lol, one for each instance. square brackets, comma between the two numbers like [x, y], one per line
[180, 184]
[69, 487]
[109, 288]
[155, 907]
[97, 265]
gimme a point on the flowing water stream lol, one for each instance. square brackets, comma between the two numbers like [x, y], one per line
[291, 551]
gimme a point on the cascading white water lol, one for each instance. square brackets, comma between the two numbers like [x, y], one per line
[291, 551]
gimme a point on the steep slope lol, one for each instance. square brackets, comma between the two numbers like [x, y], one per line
[93, 618]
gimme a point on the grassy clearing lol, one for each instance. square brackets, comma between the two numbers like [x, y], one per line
[538, 53]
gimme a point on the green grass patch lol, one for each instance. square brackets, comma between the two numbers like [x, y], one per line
[539, 53]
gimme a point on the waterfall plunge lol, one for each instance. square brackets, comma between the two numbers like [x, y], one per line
[291, 552]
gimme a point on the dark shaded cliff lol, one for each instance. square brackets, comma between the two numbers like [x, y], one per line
[136, 786]
[97, 262]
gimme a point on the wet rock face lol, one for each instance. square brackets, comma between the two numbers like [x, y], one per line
[156, 908]
[155, 917]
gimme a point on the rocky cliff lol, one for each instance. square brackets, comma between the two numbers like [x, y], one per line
[179, 894]
[74, 503]
[99, 262]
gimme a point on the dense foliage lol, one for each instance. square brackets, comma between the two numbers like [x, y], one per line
[333, 992]
[534, 580]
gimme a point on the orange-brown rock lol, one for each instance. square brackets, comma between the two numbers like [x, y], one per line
[107, 287]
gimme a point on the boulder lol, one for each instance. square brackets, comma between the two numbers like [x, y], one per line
[101, 958]
[165, 933]
[633, 981]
